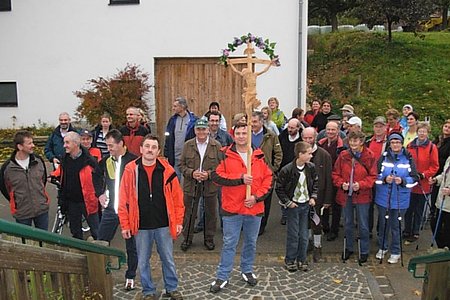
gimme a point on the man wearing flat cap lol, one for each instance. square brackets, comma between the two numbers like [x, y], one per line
[200, 156]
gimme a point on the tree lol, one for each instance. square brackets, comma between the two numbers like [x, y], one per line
[410, 12]
[114, 95]
[329, 10]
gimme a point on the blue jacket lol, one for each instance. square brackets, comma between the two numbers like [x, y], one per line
[169, 145]
[55, 144]
[402, 166]
[224, 138]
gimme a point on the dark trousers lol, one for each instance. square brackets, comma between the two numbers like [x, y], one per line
[190, 214]
[336, 211]
[267, 204]
[414, 213]
[75, 212]
[40, 221]
[106, 232]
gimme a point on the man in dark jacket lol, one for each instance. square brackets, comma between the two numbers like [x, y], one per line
[323, 166]
[81, 184]
[180, 128]
[269, 144]
[288, 138]
[54, 148]
[112, 168]
[22, 182]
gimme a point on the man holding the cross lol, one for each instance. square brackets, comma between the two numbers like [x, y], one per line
[240, 212]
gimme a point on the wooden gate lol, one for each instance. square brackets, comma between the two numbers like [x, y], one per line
[200, 81]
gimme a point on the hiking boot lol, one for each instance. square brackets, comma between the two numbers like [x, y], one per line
[218, 285]
[317, 254]
[209, 245]
[346, 254]
[291, 266]
[129, 284]
[380, 254]
[363, 258]
[394, 258]
[250, 278]
[185, 245]
[331, 236]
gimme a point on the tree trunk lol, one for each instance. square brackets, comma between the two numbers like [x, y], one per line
[334, 22]
[389, 24]
[444, 17]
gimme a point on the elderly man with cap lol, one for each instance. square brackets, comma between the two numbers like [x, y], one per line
[347, 109]
[199, 158]
[86, 142]
[354, 124]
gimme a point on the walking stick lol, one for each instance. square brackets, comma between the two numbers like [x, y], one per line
[196, 198]
[386, 218]
[424, 213]
[399, 218]
[345, 249]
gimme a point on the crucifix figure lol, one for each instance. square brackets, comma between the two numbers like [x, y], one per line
[249, 95]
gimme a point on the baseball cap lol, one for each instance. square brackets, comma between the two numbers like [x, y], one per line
[201, 123]
[355, 121]
[85, 132]
[409, 106]
[348, 108]
[334, 118]
[379, 120]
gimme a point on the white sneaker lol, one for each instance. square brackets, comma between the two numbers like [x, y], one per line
[129, 284]
[380, 254]
[394, 258]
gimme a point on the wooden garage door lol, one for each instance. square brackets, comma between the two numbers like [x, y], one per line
[200, 81]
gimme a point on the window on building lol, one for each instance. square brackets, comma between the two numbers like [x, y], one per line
[5, 5]
[117, 2]
[8, 94]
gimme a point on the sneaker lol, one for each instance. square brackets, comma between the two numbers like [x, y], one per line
[317, 254]
[173, 295]
[291, 266]
[363, 258]
[185, 245]
[218, 285]
[394, 258]
[380, 254]
[346, 254]
[250, 278]
[304, 266]
[129, 284]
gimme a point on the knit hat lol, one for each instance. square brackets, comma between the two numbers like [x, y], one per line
[395, 136]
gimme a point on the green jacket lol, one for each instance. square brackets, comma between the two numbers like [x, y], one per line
[278, 118]
[271, 147]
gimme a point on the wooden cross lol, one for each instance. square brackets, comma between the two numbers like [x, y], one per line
[249, 95]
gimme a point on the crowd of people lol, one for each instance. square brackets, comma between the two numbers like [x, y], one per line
[318, 164]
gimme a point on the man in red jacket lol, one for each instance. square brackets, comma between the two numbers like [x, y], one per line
[238, 211]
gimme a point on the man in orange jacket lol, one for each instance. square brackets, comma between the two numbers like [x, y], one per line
[151, 209]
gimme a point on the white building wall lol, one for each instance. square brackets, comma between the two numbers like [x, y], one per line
[52, 47]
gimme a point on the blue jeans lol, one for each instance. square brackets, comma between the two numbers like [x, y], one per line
[297, 233]
[40, 221]
[232, 226]
[107, 230]
[392, 229]
[414, 213]
[362, 213]
[164, 246]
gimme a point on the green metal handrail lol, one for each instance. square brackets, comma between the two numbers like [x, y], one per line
[437, 257]
[28, 232]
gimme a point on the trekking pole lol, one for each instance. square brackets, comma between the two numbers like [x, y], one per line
[345, 249]
[196, 188]
[399, 218]
[423, 218]
[437, 222]
[386, 219]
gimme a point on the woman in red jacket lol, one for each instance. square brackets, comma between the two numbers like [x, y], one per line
[354, 175]
[425, 155]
